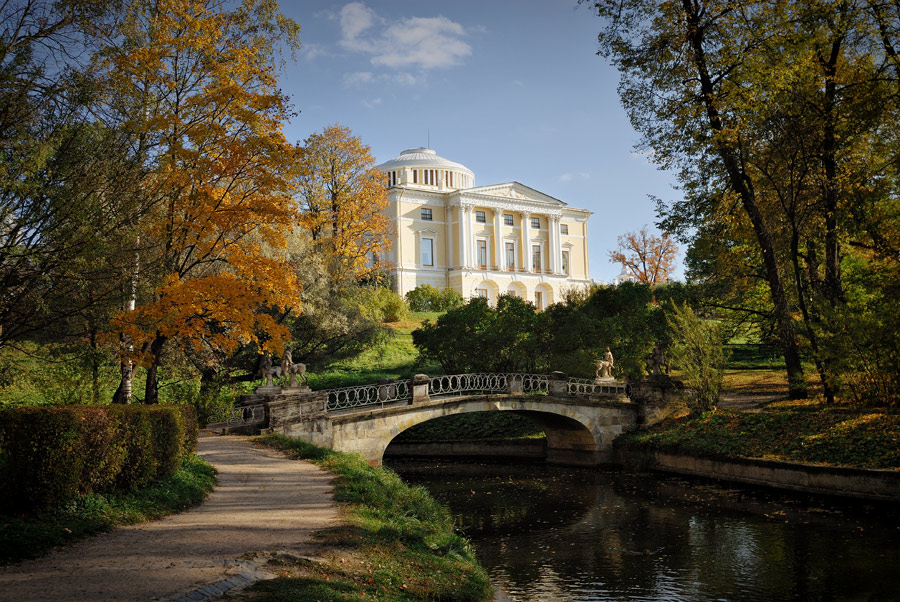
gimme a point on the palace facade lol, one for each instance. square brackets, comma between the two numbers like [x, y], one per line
[480, 241]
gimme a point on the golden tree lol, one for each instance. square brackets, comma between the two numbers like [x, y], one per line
[650, 259]
[194, 84]
[342, 201]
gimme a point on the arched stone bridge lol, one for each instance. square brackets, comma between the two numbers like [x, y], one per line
[580, 417]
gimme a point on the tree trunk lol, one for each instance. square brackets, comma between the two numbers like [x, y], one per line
[151, 390]
[741, 184]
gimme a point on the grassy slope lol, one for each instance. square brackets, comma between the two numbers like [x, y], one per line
[400, 544]
[396, 359]
[32, 536]
[799, 432]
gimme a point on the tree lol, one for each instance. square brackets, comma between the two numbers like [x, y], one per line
[781, 118]
[193, 84]
[342, 201]
[650, 259]
[697, 350]
[66, 183]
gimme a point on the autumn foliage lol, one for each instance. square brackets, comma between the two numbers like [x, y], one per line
[342, 201]
[649, 258]
[194, 86]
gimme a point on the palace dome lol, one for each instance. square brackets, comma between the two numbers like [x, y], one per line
[419, 158]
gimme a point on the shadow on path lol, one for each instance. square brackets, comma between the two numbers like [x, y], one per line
[262, 502]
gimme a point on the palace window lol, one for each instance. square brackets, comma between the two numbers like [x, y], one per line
[511, 255]
[428, 251]
[538, 300]
[426, 214]
[507, 220]
[536, 258]
[450, 179]
[565, 262]
[479, 217]
[481, 253]
[564, 228]
[536, 223]
[481, 292]
[415, 176]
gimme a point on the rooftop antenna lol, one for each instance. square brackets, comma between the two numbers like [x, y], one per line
[429, 137]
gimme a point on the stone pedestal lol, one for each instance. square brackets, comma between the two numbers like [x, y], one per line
[558, 383]
[515, 384]
[302, 389]
[419, 387]
[268, 390]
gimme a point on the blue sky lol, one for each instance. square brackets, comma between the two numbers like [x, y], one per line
[511, 89]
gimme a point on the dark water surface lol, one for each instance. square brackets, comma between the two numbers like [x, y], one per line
[551, 534]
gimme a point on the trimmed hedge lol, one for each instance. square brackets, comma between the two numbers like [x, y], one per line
[52, 454]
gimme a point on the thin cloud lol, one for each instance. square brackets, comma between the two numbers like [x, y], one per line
[311, 51]
[577, 175]
[412, 42]
[359, 78]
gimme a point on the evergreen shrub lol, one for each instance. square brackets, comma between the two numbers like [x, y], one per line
[52, 454]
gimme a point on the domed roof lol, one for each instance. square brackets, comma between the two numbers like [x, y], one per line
[422, 157]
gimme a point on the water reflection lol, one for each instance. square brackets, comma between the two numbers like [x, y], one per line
[550, 533]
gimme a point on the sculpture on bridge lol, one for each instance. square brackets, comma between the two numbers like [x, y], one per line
[605, 366]
[657, 362]
[267, 371]
[290, 369]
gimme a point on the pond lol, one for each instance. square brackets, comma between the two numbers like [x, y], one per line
[547, 533]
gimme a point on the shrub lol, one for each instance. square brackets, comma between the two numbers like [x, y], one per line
[698, 350]
[429, 298]
[382, 304]
[52, 454]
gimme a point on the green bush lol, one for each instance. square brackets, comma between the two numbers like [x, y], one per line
[698, 350]
[52, 454]
[429, 298]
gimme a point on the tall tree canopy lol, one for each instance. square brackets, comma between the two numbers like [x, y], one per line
[342, 201]
[193, 84]
[647, 257]
[781, 119]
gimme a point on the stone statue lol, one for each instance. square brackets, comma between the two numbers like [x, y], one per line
[268, 371]
[289, 368]
[657, 362]
[605, 366]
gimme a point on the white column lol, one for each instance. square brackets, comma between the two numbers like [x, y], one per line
[498, 239]
[470, 233]
[461, 226]
[553, 243]
[526, 242]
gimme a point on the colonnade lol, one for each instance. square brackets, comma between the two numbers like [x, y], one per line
[552, 250]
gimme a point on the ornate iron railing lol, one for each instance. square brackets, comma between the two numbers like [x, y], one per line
[585, 386]
[237, 415]
[366, 395]
[464, 384]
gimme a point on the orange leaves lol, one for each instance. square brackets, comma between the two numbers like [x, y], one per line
[650, 259]
[201, 75]
[342, 200]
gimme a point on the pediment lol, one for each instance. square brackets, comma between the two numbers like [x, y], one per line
[516, 191]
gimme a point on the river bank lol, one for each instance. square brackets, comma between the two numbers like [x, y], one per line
[397, 543]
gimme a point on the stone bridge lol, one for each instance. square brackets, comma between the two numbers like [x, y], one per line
[580, 417]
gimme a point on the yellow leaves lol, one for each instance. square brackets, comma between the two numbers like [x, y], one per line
[201, 77]
[342, 200]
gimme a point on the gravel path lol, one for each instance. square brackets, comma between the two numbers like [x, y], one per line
[263, 502]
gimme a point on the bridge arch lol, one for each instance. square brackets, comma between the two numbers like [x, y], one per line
[576, 434]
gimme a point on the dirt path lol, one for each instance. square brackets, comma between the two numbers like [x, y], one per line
[263, 502]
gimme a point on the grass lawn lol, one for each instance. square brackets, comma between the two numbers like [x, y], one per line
[396, 359]
[33, 536]
[808, 431]
[399, 545]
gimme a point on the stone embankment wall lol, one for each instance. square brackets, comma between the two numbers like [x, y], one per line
[809, 478]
